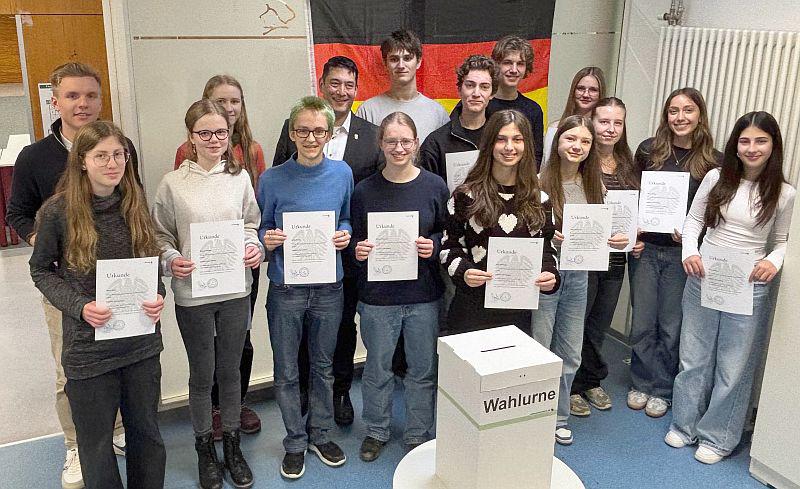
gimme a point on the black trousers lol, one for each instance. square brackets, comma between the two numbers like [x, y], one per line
[246, 364]
[134, 390]
[601, 302]
[345, 343]
[468, 314]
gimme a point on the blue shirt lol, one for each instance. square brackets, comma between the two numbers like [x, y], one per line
[292, 187]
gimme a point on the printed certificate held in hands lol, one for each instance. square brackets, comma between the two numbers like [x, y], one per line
[122, 286]
[395, 256]
[309, 256]
[458, 166]
[514, 263]
[624, 215]
[218, 256]
[663, 201]
[587, 228]
[726, 286]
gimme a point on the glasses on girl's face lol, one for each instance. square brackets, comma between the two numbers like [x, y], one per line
[590, 90]
[221, 134]
[102, 159]
[318, 133]
[391, 143]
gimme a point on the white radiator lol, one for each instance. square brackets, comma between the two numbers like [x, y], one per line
[737, 72]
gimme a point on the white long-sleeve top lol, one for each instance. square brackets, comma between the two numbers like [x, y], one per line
[739, 229]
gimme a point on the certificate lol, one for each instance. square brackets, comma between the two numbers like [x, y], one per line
[624, 215]
[726, 286]
[514, 263]
[663, 201]
[587, 228]
[218, 255]
[458, 166]
[122, 286]
[309, 256]
[395, 256]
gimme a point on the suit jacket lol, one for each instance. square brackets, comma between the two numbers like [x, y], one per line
[361, 151]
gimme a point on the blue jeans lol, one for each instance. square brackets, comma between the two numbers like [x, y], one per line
[380, 328]
[287, 307]
[719, 355]
[558, 324]
[657, 280]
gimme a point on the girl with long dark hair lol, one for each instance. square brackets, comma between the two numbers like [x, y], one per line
[682, 143]
[99, 213]
[500, 197]
[744, 205]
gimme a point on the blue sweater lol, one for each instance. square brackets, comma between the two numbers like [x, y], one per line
[292, 187]
[427, 194]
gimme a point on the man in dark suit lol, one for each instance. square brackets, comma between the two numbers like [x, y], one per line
[354, 140]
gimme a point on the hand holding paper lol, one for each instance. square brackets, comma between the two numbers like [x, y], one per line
[153, 308]
[545, 281]
[96, 315]
[363, 248]
[341, 239]
[274, 238]
[252, 256]
[424, 247]
[181, 267]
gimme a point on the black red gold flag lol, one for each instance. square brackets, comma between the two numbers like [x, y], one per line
[449, 30]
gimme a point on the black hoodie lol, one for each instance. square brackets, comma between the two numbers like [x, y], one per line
[36, 173]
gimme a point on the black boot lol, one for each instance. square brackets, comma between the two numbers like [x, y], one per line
[241, 476]
[207, 463]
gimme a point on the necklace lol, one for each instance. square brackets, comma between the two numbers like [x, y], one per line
[679, 161]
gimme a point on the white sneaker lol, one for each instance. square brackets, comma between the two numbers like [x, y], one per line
[707, 455]
[119, 444]
[564, 435]
[674, 440]
[71, 476]
[656, 407]
[637, 399]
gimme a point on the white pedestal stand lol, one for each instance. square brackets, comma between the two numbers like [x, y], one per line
[417, 470]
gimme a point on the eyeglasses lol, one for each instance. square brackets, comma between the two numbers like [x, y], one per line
[405, 143]
[221, 134]
[102, 159]
[318, 133]
[589, 90]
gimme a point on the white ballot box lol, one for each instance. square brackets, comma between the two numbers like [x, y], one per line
[496, 410]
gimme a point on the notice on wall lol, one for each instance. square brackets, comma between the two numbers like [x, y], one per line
[49, 113]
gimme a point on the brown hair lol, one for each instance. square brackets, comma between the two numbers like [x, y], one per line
[76, 190]
[240, 133]
[402, 40]
[487, 205]
[597, 73]
[702, 157]
[72, 70]
[589, 169]
[626, 170]
[202, 108]
[510, 44]
[769, 181]
[477, 62]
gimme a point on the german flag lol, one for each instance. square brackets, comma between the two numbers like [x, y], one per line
[450, 31]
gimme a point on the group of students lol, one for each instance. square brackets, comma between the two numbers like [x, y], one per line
[391, 156]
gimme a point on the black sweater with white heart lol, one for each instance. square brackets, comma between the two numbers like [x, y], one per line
[464, 241]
